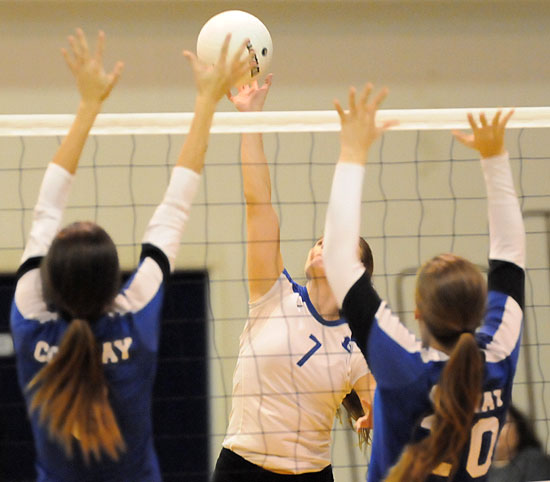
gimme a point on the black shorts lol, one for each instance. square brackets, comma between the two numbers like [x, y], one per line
[231, 467]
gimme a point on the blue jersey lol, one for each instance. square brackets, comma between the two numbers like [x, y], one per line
[406, 373]
[128, 338]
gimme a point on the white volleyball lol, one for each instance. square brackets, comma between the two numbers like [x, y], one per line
[241, 25]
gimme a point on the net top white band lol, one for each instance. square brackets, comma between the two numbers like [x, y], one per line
[275, 121]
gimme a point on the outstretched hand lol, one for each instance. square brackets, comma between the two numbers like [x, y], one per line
[251, 97]
[215, 81]
[486, 138]
[94, 84]
[359, 128]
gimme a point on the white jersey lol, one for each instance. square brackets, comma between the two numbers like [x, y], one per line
[294, 370]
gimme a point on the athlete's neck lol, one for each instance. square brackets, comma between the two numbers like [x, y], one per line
[322, 298]
[428, 340]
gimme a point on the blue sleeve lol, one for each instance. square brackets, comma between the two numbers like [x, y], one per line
[359, 307]
[148, 321]
[500, 334]
[158, 255]
[393, 353]
[507, 278]
[142, 295]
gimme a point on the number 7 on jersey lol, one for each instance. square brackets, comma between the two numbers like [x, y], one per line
[308, 355]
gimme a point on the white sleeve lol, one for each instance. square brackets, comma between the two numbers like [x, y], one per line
[506, 230]
[48, 211]
[168, 222]
[341, 242]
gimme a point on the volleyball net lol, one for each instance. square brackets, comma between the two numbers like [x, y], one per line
[423, 194]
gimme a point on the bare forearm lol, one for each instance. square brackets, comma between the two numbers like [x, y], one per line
[256, 177]
[264, 259]
[68, 154]
[194, 148]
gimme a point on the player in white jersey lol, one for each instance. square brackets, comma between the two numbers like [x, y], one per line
[86, 348]
[297, 361]
[440, 401]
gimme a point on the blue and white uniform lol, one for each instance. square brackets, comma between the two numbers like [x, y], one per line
[405, 371]
[293, 371]
[128, 335]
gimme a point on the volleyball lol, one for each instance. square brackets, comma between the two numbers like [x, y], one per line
[241, 25]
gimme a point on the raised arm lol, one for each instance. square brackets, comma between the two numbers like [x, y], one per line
[212, 83]
[359, 130]
[501, 329]
[506, 230]
[94, 85]
[264, 259]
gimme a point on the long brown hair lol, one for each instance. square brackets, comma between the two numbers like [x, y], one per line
[450, 297]
[352, 402]
[354, 411]
[80, 277]
[366, 256]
